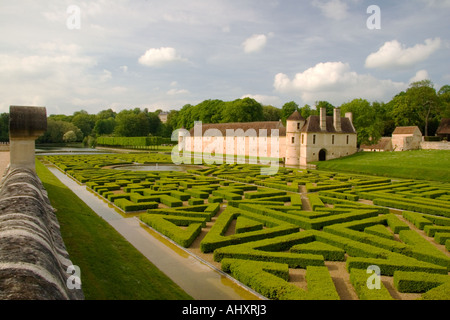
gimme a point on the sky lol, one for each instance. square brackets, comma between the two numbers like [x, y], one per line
[121, 54]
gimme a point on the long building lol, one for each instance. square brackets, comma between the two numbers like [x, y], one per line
[300, 142]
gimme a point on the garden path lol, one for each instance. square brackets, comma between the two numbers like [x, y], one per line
[195, 277]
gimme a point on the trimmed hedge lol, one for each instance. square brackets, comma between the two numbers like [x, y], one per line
[170, 201]
[267, 278]
[418, 282]
[359, 278]
[329, 252]
[405, 205]
[244, 224]
[169, 226]
[128, 206]
[423, 250]
[216, 238]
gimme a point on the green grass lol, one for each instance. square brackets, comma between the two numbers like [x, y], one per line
[111, 268]
[415, 164]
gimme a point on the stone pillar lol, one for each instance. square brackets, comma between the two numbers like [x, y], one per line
[26, 124]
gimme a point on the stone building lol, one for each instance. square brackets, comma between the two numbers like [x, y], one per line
[384, 144]
[300, 142]
[443, 130]
[406, 138]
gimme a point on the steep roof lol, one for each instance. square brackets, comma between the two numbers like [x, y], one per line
[382, 144]
[313, 125]
[296, 116]
[405, 130]
[444, 127]
[223, 127]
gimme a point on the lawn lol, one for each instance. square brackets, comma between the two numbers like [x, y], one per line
[416, 164]
[111, 268]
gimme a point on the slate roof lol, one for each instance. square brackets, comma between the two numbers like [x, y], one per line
[223, 127]
[312, 125]
[296, 116]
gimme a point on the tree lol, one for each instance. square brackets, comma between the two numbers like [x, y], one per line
[325, 104]
[444, 97]
[4, 127]
[130, 123]
[242, 110]
[104, 126]
[271, 113]
[56, 130]
[367, 122]
[306, 111]
[418, 106]
[84, 121]
[70, 136]
[154, 123]
[287, 110]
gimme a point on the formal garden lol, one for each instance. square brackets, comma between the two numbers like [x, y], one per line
[299, 234]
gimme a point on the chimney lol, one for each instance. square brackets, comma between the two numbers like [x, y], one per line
[323, 119]
[350, 116]
[337, 120]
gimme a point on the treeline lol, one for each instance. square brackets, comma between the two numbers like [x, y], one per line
[420, 105]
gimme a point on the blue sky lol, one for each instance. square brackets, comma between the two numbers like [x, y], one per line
[121, 54]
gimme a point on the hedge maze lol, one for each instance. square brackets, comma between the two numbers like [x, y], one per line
[260, 228]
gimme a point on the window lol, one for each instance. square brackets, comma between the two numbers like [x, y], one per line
[347, 139]
[298, 125]
[314, 139]
[332, 139]
[303, 138]
[293, 140]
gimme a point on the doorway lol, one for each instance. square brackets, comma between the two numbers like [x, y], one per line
[323, 155]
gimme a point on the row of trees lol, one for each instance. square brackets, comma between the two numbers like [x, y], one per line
[420, 105]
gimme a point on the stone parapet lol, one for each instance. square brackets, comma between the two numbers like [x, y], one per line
[34, 263]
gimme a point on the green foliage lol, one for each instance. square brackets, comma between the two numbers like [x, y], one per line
[418, 282]
[170, 227]
[358, 278]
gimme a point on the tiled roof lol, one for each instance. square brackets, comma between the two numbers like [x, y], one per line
[382, 144]
[223, 127]
[405, 130]
[296, 116]
[313, 125]
[444, 127]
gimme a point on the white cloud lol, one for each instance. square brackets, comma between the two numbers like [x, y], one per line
[335, 82]
[394, 54]
[156, 57]
[437, 3]
[124, 69]
[173, 92]
[334, 9]
[420, 75]
[255, 43]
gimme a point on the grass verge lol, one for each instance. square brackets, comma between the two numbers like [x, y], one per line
[415, 164]
[111, 268]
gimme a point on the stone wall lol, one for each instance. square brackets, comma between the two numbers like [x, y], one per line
[435, 145]
[33, 259]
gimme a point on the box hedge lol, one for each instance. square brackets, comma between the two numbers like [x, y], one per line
[418, 282]
[170, 227]
[359, 279]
